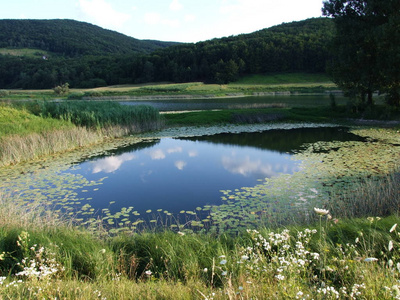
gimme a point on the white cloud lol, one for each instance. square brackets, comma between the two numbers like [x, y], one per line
[246, 16]
[190, 18]
[103, 13]
[175, 5]
[156, 19]
[152, 18]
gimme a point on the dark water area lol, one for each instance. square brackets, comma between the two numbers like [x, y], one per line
[184, 174]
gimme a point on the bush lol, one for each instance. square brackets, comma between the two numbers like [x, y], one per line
[4, 93]
[62, 89]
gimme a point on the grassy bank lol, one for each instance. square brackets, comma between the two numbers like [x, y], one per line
[31, 130]
[331, 258]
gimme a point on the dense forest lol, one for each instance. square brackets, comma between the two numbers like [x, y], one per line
[87, 58]
[71, 38]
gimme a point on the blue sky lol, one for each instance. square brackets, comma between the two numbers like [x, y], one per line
[168, 20]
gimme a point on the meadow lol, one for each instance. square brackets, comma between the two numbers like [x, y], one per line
[346, 248]
[267, 83]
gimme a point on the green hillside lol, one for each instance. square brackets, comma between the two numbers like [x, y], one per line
[89, 56]
[70, 38]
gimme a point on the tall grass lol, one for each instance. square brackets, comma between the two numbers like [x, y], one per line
[374, 196]
[35, 129]
[15, 149]
[99, 114]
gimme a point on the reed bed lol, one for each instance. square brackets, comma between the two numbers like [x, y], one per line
[375, 196]
[36, 129]
[93, 114]
[15, 149]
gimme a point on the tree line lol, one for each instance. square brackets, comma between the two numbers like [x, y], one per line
[291, 47]
[366, 56]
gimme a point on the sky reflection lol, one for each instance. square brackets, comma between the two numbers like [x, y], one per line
[176, 174]
[112, 163]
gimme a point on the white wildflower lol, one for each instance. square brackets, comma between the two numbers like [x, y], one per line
[390, 246]
[320, 211]
[280, 277]
[393, 228]
[390, 263]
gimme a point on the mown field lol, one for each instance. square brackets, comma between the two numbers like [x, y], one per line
[297, 82]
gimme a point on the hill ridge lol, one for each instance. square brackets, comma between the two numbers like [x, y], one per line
[71, 38]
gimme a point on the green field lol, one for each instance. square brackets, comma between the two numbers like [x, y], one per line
[24, 52]
[291, 82]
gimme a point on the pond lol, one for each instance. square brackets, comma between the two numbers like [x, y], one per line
[170, 176]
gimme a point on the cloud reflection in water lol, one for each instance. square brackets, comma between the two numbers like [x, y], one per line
[157, 154]
[246, 167]
[111, 163]
[180, 164]
[174, 150]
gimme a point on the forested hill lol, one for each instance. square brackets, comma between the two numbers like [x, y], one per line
[71, 38]
[290, 47]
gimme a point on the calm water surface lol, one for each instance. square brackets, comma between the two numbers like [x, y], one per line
[182, 174]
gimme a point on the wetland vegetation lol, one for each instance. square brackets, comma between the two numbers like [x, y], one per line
[350, 253]
[221, 251]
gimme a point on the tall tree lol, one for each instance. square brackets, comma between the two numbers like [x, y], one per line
[365, 46]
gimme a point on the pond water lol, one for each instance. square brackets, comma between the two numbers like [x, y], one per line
[172, 176]
[184, 174]
[238, 102]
